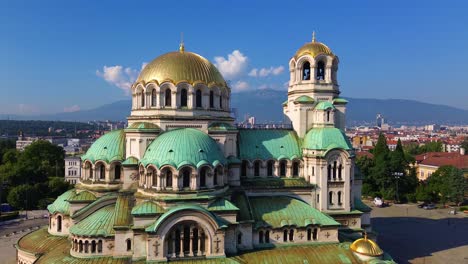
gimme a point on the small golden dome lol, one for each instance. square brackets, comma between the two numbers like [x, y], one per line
[313, 49]
[366, 247]
[181, 66]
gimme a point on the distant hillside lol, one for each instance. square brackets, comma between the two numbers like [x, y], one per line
[266, 105]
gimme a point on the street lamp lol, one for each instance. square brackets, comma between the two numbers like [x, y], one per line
[397, 176]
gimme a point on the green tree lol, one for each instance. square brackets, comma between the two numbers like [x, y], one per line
[464, 145]
[57, 186]
[23, 197]
[6, 145]
[447, 184]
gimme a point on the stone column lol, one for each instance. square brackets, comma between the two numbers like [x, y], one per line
[191, 242]
[174, 102]
[199, 252]
[181, 254]
[158, 181]
[173, 244]
[175, 182]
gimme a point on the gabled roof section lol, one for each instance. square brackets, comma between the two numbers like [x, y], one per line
[144, 127]
[266, 144]
[109, 147]
[324, 105]
[105, 199]
[130, 161]
[242, 202]
[222, 205]
[61, 204]
[326, 138]
[147, 208]
[83, 197]
[304, 99]
[280, 211]
[218, 126]
[123, 208]
[99, 223]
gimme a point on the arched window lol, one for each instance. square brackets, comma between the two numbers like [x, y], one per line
[329, 168]
[313, 170]
[328, 116]
[306, 71]
[309, 234]
[203, 177]
[167, 97]
[318, 198]
[86, 245]
[102, 171]
[339, 198]
[93, 246]
[295, 167]
[291, 235]
[320, 70]
[270, 167]
[334, 170]
[198, 99]
[59, 223]
[117, 171]
[168, 178]
[244, 168]
[257, 168]
[282, 168]
[211, 99]
[129, 244]
[314, 234]
[217, 172]
[330, 197]
[220, 102]
[99, 246]
[260, 237]
[186, 178]
[285, 235]
[340, 168]
[142, 98]
[81, 246]
[239, 238]
[183, 98]
[153, 97]
[267, 236]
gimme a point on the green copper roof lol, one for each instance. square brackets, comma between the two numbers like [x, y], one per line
[242, 202]
[105, 198]
[185, 146]
[83, 196]
[280, 211]
[147, 208]
[234, 160]
[153, 227]
[285, 103]
[221, 127]
[109, 147]
[359, 205]
[324, 105]
[130, 161]
[222, 205]
[275, 183]
[268, 144]
[340, 101]
[326, 138]
[304, 99]
[40, 241]
[99, 223]
[123, 208]
[143, 127]
[61, 204]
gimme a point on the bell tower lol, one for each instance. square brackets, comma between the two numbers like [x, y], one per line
[313, 92]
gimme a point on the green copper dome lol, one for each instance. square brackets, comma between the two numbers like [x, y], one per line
[185, 146]
[61, 204]
[109, 147]
[326, 138]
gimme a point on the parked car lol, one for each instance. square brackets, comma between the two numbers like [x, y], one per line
[378, 202]
[429, 207]
[422, 205]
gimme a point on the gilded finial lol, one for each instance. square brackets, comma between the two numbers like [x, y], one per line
[313, 36]
[181, 46]
[365, 235]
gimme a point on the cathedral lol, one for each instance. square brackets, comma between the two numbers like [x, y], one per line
[182, 183]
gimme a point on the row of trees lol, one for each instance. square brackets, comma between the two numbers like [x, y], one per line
[389, 174]
[33, 178]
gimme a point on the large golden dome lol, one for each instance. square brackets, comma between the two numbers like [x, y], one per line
[313, 49]
[181, 66]
[366, 247]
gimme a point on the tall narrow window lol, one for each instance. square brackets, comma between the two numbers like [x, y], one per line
[59, 223]
[86, 247]
[198, 99]
[167, 101]
[340, 168]
[239, 238]
[183, 98]
[244, 168]
[129, 244]
[313, 170]
[93, 246]
[295, 169]
[211, 99]
[215, 177]
[270, 166]
[102, 172]
[330, 197]
[283, 168]
[320, 70]
[203, 177]
[260, 237]
[291, 235]
[318, 198]
[314, 234]
[186, 178]
[220, 102]
[168, 178]
[99, 246]
[117, 172]
[80, 246]
[334, 170]
[328, 116]
[285, 235]
[267, 236]
[306, 71]
[142, 98]
[309, 234]
[257, 168]
[339, 197]
[153, 97]
[329, 168]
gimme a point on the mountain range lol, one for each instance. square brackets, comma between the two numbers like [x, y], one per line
[266, 106]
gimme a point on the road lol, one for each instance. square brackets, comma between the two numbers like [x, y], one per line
[417, 236]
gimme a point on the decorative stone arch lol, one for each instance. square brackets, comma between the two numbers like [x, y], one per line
[184, 98]
[168, 174]
[218, 175]
[153, 92]
[245, 167]
[283, 167]
[205, 173]
[115, 171]
[152, 175]
[296, 168]
[187, 176]
[192, 215]
[257, 167]
[88, 169]
[100, 167]
[334, 70]
[301, 62]
[168, 91]
[270, 167]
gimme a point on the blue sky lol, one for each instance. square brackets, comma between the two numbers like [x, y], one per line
[53, 53]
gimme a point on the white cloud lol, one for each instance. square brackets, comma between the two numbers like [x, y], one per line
[120, 76]
[264, 72]
[240, 86]
[233, 66]
[73, 108]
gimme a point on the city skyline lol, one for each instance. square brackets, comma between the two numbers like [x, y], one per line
[58, 54]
